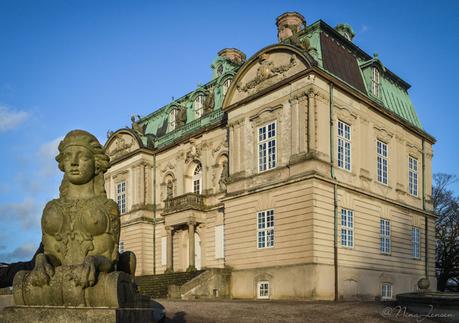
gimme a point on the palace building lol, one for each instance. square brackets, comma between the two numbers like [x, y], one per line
[302, 172]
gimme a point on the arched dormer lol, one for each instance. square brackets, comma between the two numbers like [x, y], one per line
[266, 68]
[197, 100]
[121, 143]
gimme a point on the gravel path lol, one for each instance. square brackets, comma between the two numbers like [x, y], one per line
[280, 311]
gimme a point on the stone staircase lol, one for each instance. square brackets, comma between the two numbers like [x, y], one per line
[156, 286]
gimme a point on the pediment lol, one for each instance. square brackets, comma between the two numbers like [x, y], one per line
[120, 144]
[266, 68]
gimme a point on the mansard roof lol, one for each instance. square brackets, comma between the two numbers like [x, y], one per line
[327, 48]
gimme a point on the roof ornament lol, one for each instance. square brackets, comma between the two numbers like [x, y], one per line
[137, 127]
[346, 31]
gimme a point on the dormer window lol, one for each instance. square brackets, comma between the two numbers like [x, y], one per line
[375, 82]
[172, 123]
[226, 85]
[198, 106]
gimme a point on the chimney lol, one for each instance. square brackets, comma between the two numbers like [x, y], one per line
[232, 54]
[346, 31]
[288, 23]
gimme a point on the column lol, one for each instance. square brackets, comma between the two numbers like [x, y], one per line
[169, 268]
[191, 251]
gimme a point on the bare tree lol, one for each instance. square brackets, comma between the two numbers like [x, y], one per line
[446, 207]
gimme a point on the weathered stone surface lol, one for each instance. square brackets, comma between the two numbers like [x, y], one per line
[79, 269]
[42, 314]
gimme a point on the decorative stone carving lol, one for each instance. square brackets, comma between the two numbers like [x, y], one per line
[266, 70]
[169, 189]
[222, 145]
[137, 127]
[383, 134]
[224, 176]
[193, 154]
[121, 147]
[181, 116]
[80, 236]
[169, 166]
[210, 101]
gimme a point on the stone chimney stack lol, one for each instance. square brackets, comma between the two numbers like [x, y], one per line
[287, 23]
[233, 54]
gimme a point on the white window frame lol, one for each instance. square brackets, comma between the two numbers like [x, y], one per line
[413, 176]
[385, 244]
[416, 243]
[267, 146]
[225, 86]
[375, 81]
[265, 229]
[121, 197]
[344, 132]
[263, 289]
[197, 179]
[347, 228]
[172, 120]
[121, 248]
[198, 106]
[382, 163]
[386, 291]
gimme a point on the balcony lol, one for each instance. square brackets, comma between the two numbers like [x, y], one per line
[188, 201]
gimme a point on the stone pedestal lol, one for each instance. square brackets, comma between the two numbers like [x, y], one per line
[42, 314]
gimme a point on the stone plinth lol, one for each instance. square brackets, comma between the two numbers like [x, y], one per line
[42, 314]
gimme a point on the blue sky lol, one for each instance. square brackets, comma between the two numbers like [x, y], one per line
[92, 64]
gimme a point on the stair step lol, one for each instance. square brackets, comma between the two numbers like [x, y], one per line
[157, 285]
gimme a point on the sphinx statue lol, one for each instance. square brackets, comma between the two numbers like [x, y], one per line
[80, 264]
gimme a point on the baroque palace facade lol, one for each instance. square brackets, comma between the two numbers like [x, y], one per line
[303, 170]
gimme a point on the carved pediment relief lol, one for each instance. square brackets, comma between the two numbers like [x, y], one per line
[413, 149]
[265, 69]
[121, 144]
[345, 114]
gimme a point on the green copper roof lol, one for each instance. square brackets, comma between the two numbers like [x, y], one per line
[393, 90]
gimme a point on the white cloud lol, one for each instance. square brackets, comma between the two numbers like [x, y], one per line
[27, 213]
[47, 154]
[23, 253]
[10, 118]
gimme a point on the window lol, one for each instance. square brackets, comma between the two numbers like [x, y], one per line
[385, 236]
[375, 82]
[265, 229]
[267, 147]
[121, 247]
[347, 228]
[415, 243]
[386, 291]
[381, 151]
[171, 120]
[219, 242]
[198, 106]
[226, 86]
[413, 176]
[197, 178]
[121, 196]
[344, 145]
[263, 290]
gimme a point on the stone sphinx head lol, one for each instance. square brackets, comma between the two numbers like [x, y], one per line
[82, 159]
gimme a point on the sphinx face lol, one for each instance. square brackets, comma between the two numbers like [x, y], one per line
[79, 164]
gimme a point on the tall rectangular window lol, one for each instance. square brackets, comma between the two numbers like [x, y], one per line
[267, 147]
[413, 176]
[344, 145]
[382, 154]
[415, 243]
[385, 243]
[198, 106]
[265, 229]
[386, 291]
[121, 196]
[347, 228]
[375, 82]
